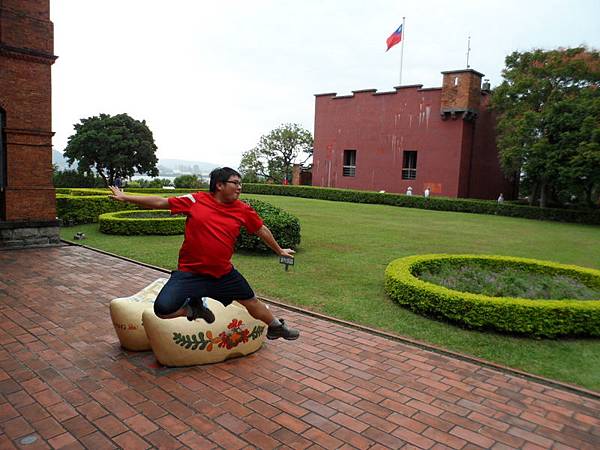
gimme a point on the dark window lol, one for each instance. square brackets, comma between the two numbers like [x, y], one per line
[349, 163]
[409, 165]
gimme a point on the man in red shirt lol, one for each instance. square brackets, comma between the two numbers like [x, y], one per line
[204, 269]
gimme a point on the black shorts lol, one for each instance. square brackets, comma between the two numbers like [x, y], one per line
[184, 286]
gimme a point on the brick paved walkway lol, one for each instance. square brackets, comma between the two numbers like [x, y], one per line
[65, 381]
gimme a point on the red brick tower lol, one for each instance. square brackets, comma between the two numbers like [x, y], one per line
[461, 93]
[27, 200]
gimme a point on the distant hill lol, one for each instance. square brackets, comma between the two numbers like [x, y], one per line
[166, 166]
[61, 161]
[183, 166]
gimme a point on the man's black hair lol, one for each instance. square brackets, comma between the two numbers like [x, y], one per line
[221, 175]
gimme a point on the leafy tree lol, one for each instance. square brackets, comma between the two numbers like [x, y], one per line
[188, 181]
[112, 146]
[72, 178]
[153, 183]
[548, 110]
[272, 159]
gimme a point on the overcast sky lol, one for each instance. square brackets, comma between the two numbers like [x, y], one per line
[210, 78]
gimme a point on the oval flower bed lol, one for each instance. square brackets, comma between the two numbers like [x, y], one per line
[533, 317]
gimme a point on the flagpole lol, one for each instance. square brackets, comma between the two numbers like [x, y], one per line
[468, 50]
[402, 49]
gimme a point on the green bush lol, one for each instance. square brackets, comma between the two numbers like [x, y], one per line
[284, 226]
[131, 190]
[72, 178]
[86, 192]
[144, 222]
[539, 318]
[81, 205]
[154, 191]
[189, 182]
[433, 203]
[79, 209]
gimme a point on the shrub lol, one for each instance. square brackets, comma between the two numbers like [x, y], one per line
[153, 191]
[432, 203]
[79, 205]
[86, 192]
[79, 209]
[153, 183]
[189, 181]
[284, 226]
[539, 318]
[72, 178]
[144, 222]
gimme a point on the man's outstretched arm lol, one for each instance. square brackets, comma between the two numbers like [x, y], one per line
[267, 237]
[145, 201]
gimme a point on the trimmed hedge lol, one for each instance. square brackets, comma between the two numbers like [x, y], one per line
[145, 222]
[101, 191]
[432, 203]
[537, 318]
[85, 192]
[284, 226]
[79, 209]
[84, 205]
[591, 217]
[162, 191]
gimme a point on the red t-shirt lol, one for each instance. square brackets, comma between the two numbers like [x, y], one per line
[211, 230]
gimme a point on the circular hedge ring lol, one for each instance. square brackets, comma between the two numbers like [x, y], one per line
[134, 222]
[532, 317]
[284, 226]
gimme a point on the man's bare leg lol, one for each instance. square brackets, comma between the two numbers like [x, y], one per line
[258, 310]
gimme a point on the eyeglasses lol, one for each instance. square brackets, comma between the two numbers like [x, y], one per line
[237, 183]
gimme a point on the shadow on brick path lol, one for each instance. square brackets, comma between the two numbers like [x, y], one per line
[66, 383]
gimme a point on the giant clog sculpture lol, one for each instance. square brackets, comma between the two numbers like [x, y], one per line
[179, 342]
[126, 315]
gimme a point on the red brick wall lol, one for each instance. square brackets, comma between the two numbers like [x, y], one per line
[487, 179]
[31, 204]
[461, 90]
[381, 126]
[25, 94]
[20, 29]
[38, 9]
[26, 56]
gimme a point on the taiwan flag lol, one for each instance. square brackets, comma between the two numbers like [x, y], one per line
[394, 38]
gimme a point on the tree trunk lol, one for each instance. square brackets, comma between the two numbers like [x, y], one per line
[533, 194]
[101, 173]
[588, 195]
[543, 194]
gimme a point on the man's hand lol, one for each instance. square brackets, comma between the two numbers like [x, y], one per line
[287, 252]
[145, 201]
[118, 194]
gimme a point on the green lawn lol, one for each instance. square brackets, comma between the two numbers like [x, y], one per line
[346, 247]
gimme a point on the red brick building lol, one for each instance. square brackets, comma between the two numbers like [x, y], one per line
[441, 138]
[27, 198]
